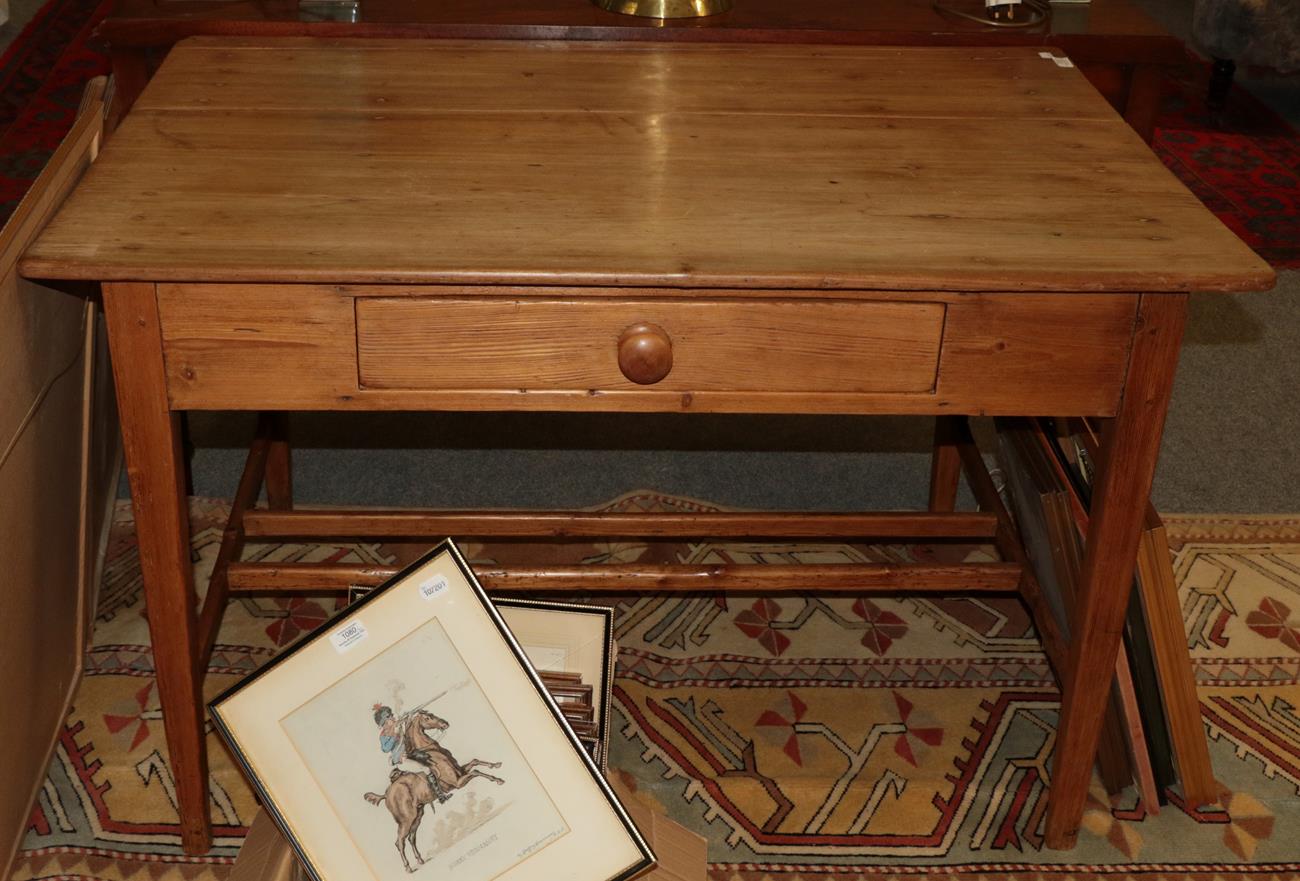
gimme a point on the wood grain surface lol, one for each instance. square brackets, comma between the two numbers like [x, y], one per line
[600, 78]
[155, 465]
[1000, 354]
[827, 578]
[414, 523]
[717, 345]
[1130, 448]
[601, 164]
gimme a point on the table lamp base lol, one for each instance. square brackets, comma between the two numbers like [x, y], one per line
[666, 8]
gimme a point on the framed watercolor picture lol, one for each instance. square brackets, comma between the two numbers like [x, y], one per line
[572, 648]
[411, 735]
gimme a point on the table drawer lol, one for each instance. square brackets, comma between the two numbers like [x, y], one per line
[351, 347]
[670, 345]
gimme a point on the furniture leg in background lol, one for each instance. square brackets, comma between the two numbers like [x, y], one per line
[279, 465]
[1132, 88]
[130, 74]
[945, 464]
[1221, 76]
[1142, 106]
[1119, 510]
[155, 463]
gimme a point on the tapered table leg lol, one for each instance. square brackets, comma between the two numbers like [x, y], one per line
[155, 465]
[945, 464]
[1130, 447]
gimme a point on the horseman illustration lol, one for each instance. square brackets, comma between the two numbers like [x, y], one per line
[407, 737]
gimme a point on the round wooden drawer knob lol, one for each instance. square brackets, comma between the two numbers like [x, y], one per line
[645, 353]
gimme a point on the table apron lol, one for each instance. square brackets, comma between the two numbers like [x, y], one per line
[333, 347]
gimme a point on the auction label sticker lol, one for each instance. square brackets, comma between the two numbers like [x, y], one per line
[433, 586]
[346, 637]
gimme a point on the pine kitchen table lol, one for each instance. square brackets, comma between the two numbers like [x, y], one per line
[291, 224]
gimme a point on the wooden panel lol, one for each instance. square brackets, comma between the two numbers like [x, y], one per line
[1009, 355]
[556, 77]
[717, 345]
[1002, 354]
[223, 343]
[861, 188]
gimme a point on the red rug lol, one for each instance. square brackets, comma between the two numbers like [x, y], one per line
[1245, 168]
[42, 75]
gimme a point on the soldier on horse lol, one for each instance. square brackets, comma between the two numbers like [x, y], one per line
[407, 737]
[397, 740]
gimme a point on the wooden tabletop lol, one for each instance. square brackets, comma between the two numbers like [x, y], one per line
[756, 166]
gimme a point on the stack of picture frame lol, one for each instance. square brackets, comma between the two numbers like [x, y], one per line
[1152, 734]
[419, 728]
[572, 648]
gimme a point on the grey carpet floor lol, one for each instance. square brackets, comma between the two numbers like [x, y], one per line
[1230, 444]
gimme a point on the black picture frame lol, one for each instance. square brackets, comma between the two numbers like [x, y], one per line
[230, 737]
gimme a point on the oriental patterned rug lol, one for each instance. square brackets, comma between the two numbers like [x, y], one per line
[805, 738]
[1245, 166]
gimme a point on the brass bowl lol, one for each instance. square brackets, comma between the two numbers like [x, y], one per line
[665, 8]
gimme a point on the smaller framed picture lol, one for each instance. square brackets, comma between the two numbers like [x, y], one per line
[412, 735]
[572, 647]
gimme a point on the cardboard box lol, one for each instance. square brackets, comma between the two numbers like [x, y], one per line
[266, 856]
[58, 478]
[683, 855]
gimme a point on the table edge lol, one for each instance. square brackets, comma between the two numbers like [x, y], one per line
[1261, 279]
